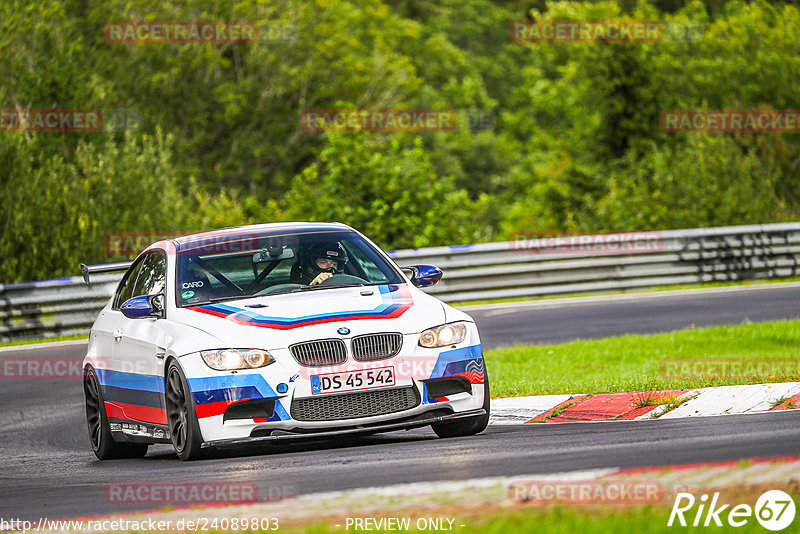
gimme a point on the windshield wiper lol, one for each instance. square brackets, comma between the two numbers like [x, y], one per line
[225, 299]
[326, 286]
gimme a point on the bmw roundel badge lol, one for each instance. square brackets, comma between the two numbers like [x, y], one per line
[344, 331]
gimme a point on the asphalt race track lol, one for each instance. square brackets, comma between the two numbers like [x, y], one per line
[559, 320]
[47, 468]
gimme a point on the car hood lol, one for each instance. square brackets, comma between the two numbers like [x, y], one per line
[277, 321]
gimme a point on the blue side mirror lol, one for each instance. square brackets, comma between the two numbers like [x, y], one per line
[424, 275]
[143, 306]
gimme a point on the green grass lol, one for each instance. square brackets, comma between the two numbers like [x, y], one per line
[561, 520]
[632, 363]
[672, 287]
[655, 399]
[43, 340]
[555, 412]
[778, 402]
[791, 405]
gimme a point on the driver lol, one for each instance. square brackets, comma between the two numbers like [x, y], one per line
[319, 262]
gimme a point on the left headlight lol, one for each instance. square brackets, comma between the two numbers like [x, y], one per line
[446, 334]
[232, 359]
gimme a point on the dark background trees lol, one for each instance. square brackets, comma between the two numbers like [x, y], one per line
[573, 142]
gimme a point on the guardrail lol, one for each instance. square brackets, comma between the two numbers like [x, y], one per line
[520, 268]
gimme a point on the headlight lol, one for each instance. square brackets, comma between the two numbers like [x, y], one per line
[232, 359]
[447, 334]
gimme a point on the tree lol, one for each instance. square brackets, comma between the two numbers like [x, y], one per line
[386, 189]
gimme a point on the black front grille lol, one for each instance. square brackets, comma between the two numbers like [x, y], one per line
[355, 405]
[319, 353]
[376, 346]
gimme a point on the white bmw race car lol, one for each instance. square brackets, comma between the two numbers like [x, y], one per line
[274, 332]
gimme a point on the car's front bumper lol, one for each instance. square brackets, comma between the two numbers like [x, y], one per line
[406, 424]
[216, 393]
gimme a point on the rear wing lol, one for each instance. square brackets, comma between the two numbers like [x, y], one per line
[87, 270]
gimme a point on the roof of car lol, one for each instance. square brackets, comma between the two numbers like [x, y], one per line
[257, 230]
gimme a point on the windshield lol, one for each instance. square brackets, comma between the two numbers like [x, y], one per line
[269, 265]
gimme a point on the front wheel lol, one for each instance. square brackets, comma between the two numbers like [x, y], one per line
[103, 445]
[184, 430]
[467, 426]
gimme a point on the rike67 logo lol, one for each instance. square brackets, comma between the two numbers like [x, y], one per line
[774, 510]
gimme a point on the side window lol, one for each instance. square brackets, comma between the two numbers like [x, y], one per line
[152, 276]
[125, 287]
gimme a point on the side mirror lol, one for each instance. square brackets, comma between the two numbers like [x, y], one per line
[423, 275]
[143, 306]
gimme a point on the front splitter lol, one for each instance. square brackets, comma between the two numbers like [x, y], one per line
[404, 425]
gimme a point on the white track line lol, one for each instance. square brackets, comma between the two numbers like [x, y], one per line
[726, 400]
[516, 410]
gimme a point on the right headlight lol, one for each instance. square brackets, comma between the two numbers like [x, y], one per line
[446, 334]
[233, 359]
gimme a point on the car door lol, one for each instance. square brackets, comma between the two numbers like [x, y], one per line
[106, 330]
[141, 345]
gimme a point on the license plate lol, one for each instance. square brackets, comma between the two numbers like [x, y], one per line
[351, 380]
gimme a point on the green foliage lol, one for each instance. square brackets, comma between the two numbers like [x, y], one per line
[597, 158]
[63, 210]
[387, 190]
[572, 143]
[710, 178]
[61, 207]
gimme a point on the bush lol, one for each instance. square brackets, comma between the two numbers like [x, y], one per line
[386, 189]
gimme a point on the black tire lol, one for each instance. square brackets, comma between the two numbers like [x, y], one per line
[468, 426]
[103, 444]
[184, 430]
